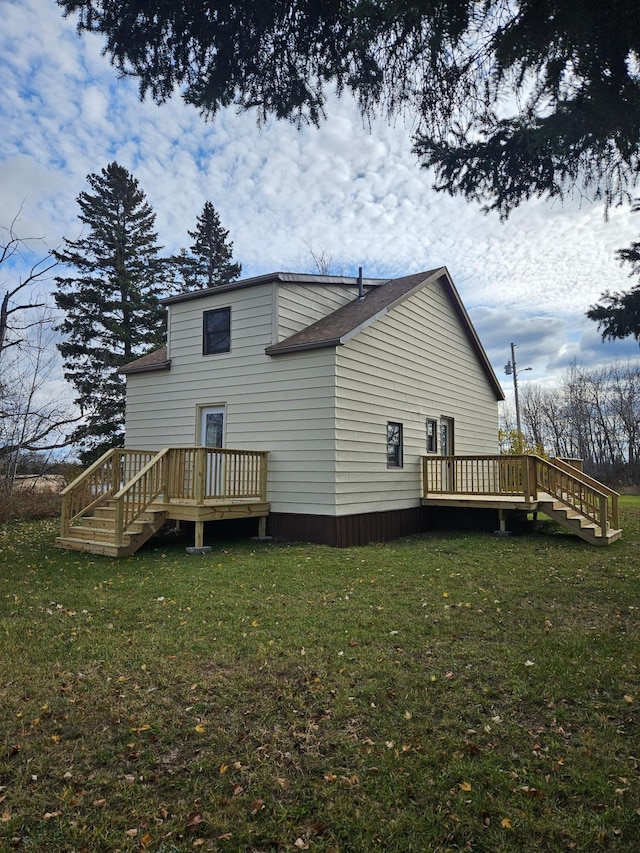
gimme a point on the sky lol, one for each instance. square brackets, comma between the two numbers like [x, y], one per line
[351, 192]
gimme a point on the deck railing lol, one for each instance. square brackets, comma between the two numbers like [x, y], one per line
[525, 476]
[137, 495]
[209, 473]
[587, 496]
[137, 478]
[100, 482]
[478, 475]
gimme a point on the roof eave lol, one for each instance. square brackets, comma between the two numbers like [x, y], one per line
[163, 365]
[276, 349]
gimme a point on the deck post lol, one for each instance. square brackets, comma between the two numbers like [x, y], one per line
[201, 455]
[532, 465]
[199, 539]
[119, 522]
[116, 471]
[65, 521]
[615, 521]
[526, 477]
[603, 515]
[263, 475]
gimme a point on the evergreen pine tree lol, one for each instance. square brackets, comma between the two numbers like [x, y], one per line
[618, 315]
[209, 261]
[112, 308]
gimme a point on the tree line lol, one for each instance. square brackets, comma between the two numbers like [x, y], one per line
[115, 276]
[593, 415]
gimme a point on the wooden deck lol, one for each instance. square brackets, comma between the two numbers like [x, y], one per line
[127, 495]
[524, 483]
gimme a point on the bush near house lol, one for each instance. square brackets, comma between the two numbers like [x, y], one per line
[32, 502]
[445, 692]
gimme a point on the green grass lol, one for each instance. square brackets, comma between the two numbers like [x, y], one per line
[441, 693]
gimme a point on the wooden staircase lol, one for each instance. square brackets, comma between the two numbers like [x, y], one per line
[575, 522]
[96, 533]
[125, 497]
[577, 502]
[525, 482]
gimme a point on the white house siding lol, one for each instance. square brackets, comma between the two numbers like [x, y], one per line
[284, 405]
[301, 305]
[415, 363]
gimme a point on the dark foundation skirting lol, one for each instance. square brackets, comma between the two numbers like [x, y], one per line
[345, 531]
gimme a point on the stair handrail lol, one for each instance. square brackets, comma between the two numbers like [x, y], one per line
[597, 485]
[600, 517]
[76, 487]
[128, 511]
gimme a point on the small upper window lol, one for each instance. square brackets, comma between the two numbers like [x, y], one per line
[432, 436]
[394, 445]
[216, 331]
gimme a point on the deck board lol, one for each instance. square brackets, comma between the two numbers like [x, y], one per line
[486, 501]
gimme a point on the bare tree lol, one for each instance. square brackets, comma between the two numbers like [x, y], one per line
[32, 416]
[593, 415]
[321, 259]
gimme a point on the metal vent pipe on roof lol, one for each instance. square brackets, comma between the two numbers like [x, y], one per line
[360, 285]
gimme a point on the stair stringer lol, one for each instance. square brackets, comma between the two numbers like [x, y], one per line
[569, 518]
[95, 534]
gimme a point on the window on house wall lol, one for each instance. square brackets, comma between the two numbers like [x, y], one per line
[394, 445]
[432, 435]
[216, 331]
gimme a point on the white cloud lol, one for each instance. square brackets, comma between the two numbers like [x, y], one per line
[349, 191]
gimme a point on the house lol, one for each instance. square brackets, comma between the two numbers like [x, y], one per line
[320, 408]
[346, 382]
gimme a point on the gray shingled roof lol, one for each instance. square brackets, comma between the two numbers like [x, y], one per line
[338, 327]
[156, 360]
[341, 325]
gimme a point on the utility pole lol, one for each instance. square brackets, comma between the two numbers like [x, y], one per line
[511, 368]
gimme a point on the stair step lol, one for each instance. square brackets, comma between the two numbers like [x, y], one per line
[94, 534]
[92, 547]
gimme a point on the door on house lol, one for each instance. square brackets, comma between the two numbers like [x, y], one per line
[212, 435]
[446, 449]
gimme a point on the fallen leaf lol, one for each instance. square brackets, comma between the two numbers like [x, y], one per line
[200, 728]
[99, 804]
[225, 836]
[628, 697]
[256, 806]
[49, 815]
[131, 833]
[6, 815]
[194, 820]
[505, 823]
[465, 786]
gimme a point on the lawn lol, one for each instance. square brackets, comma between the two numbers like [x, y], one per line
[447, 692]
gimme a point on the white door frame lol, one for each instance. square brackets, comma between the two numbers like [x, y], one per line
[447, 444]
[215, 463]
[201, 423]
